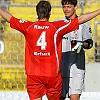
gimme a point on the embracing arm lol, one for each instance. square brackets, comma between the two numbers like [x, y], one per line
[5, 15]
[88, 16]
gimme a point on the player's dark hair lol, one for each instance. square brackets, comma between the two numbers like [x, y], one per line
[73, 2]
[43, 9]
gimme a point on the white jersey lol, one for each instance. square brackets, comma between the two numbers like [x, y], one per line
[82, 34]
[68, 57]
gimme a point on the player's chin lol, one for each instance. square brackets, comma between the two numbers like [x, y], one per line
[67, 14]
[68, 17]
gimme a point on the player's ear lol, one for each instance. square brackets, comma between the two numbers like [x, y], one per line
[50, 13]
[76, 7]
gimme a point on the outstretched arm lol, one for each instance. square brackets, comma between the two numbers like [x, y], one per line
[86, 17]
[83, 18]
[5, 15]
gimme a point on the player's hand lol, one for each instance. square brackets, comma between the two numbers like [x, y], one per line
[77, 47]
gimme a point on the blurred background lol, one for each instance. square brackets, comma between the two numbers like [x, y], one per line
[12, 43]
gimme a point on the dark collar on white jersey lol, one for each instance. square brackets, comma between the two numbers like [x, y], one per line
[69, 19]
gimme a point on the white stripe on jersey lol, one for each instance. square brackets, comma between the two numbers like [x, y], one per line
[55, 37]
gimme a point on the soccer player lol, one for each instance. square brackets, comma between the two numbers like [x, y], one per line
[43, 49]
[73, 54]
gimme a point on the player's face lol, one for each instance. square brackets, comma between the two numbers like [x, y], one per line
[69, 10]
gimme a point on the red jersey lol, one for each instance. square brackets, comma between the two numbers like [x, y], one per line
[43, 44]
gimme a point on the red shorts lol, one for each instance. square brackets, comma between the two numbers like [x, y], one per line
[37, 86]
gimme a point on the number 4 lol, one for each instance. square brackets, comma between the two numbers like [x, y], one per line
[42, 41]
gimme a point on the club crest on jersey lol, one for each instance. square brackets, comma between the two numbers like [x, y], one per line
[75, 32]
[22, 21]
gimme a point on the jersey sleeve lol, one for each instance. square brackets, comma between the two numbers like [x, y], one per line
[68, 26]
[86, 31]
[18, 24]
[73, 25]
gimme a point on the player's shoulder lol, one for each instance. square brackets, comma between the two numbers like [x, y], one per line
[21, 20]
[61, 19]
[86, 24]
[59, 22]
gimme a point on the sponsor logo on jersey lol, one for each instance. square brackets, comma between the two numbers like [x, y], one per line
[40, 27]
[22, 21]
[42, 53]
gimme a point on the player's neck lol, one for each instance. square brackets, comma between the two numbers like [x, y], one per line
[43, 19]
[74, 16]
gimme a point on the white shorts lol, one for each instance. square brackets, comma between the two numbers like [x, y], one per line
[75, 83]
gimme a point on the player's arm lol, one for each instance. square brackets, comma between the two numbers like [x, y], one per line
[87, 36]
[5, 15]
[86, 17]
